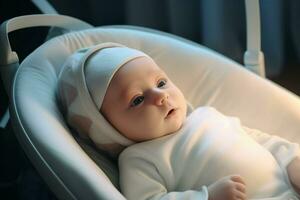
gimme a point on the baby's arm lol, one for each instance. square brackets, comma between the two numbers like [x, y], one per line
[286, 153]
[293, 170]
[140, 179]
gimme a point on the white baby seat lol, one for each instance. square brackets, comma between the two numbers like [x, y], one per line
[76, 171]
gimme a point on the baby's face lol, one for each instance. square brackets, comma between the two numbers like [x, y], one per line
[142, 103]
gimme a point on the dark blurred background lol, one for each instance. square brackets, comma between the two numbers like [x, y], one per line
[217, 24]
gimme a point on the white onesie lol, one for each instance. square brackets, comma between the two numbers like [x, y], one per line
[209, 146]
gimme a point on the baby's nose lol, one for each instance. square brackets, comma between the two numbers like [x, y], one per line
[161, 97]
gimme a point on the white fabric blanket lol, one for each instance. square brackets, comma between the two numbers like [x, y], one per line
[208, 147]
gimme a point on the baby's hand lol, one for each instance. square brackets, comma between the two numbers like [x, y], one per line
[293, 171]
[228, 188]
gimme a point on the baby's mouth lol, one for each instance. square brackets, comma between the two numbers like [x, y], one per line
[171, 113]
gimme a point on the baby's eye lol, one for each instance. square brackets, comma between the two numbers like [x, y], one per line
[161, 83]
[136, 101]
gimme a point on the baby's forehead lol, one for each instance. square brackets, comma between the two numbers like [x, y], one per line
[135, 74]
[139, 69]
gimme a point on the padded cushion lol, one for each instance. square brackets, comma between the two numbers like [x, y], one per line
[204, 76]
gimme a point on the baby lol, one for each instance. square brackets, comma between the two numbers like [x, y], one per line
[126, 104]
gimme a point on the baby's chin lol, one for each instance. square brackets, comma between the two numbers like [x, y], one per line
[176, 127]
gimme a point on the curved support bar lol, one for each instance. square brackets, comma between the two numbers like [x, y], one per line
[253, 24]
[9, 60]
[66, 22]
[253, 58]
[44, 6]
[254, 61]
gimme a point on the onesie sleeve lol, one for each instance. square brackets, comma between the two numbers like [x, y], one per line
[140, 179]
[283, 150]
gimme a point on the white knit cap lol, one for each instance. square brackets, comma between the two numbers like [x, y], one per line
[82, 85]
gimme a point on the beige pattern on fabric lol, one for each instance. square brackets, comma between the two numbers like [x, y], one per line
[83, 124]
[81, 104]
[68, 92]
